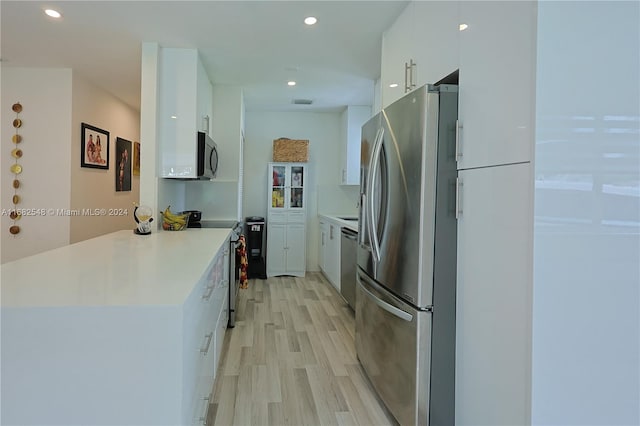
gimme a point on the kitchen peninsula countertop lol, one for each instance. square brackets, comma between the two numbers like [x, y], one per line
[121, 329]
[117, 269]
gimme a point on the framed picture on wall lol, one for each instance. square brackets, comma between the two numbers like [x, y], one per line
[123, 165]
[136, 158]
[95, 147]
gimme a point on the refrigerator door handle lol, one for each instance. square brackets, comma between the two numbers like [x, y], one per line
[384, 305]
[361, 235]
[373, 170]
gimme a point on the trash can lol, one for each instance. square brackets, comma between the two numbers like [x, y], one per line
[255, 247]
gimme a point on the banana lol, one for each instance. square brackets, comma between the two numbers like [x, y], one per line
[176, 222]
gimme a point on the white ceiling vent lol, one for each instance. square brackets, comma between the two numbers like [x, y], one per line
[302, 101]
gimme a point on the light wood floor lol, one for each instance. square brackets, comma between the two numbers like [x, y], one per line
[290, 360]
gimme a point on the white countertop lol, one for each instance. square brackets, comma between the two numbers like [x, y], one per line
[117, 269]
[337, 220]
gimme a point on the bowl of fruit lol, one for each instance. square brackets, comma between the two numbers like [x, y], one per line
[174, 221]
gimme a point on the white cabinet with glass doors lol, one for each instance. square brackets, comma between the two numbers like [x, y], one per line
[286, 219]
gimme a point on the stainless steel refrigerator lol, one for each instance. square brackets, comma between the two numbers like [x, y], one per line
[406, 275]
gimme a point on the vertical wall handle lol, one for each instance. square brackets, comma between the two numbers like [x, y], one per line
[458, 203]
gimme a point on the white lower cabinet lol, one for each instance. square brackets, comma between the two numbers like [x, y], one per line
[494, 295]
[324, 232]
[332, 255]
[329, 250]
[205, 314]
[286, 249]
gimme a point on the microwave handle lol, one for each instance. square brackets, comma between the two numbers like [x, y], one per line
[213, 158]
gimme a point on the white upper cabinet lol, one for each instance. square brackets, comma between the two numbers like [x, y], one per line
[421, 47]
[396, 51]
[497, 83]
[185, 99]
[436, 39]
[227, 130]
[353, 118]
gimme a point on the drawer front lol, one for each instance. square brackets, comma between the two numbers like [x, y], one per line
[201, 397]
[296, 216]
[221, 329]
[279, 217]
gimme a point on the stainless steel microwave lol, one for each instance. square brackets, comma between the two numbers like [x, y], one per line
[207, 157]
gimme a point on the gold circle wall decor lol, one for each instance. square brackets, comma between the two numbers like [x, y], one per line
[16, 169]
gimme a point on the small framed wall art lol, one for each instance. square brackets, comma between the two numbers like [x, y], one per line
[123, 164]
[136, 158]
[95, 147]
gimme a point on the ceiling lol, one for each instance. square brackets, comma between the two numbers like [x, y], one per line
[259, 45]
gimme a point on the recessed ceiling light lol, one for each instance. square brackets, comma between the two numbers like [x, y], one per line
[310, 20]
[52, 13]
[393, 85]
[463, 27]
[291, 83]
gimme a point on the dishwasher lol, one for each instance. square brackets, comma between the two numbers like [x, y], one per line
[348, 249]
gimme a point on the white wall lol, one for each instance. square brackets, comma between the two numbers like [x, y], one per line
[95, 188]
[586, 311]
[55, 102]
[324, 172]
[45, 95]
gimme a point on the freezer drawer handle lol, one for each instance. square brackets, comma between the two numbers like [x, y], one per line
[386, 306]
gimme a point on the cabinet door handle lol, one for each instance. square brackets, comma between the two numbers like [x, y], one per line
[412, 83]
[205, 348]
[409, 83]
[406, 77]
[458, 203]
[458, 151]
[203, 417]
[208, 293]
